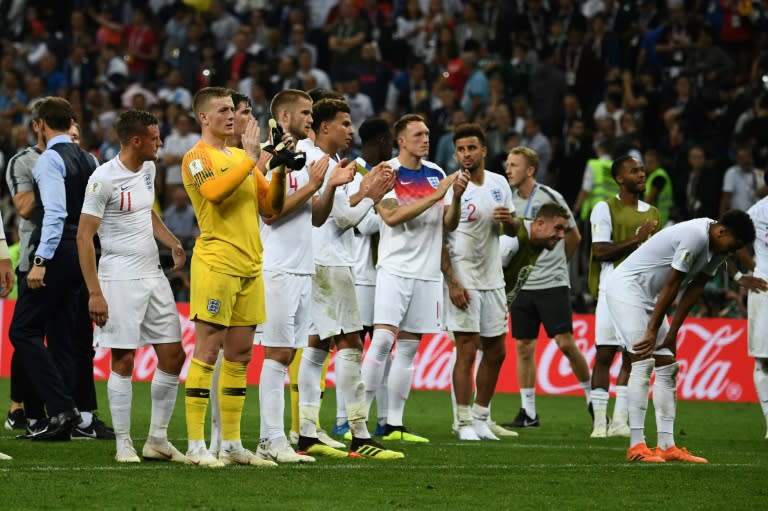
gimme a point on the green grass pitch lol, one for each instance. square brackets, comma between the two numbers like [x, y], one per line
[555, 467]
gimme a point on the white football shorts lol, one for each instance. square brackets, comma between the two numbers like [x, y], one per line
[412, 305]
[630, 313]
[288, 304]
[141, 312]
[486, 313]
[334, 303]
[605, 333]
[366, 295]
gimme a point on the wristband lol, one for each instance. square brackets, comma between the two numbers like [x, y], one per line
[4, 254]
[737, 277]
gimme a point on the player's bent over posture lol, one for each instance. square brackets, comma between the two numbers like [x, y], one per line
[639, 293]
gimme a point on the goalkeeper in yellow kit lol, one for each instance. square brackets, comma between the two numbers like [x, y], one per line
[227, 291]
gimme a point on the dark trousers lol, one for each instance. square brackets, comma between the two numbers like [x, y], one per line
[21, 387]
[50, 314]
[22, 390]
[83, 388]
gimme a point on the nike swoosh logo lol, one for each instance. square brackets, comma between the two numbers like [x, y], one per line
[163, 454]
[226, 169]
[528, 423]
[86, 433]
[124, 188]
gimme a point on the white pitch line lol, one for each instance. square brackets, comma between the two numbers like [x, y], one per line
[359, 466]
[514, 444]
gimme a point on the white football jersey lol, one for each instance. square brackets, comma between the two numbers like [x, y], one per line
[123, 199]
[288, 241]
[683, 246]
[474, 245]
[361, 250]
[759, 215]
[412, 249]
[334, 240]
[363, 268]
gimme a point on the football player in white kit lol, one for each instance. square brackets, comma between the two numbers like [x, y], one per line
[377, 141]
[476, 309]
[131, 301]
[757, 305]
[288, 269]
[409, 290]
[639, 293]
[335, 314]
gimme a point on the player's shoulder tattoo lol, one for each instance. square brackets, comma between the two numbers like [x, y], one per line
[388, 203]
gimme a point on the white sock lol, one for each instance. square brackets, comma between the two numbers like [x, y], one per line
[375, 361]
[120, 394]
[620, 411]
[480, 413]
[400, 379]
[587, 387]
[214, 404]
[664, 403]
[599, 399]
[311, 369]
[163, 390]
[195, 444]
[637, 399]
[761, 384]
[231, 445]
[349, 380]
[271, 400]
[341, 408]
[454, 407]
[528, 398]
[382, 394]
[86, 418]
[464, 415]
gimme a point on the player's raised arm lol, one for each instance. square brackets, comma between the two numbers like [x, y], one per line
[452, 213]
[394, 213]
[323, 204]
[216, 184]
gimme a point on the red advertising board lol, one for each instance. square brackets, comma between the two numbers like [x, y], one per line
[712, 354]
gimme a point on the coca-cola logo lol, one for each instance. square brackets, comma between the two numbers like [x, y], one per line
[432, 365]
[553, 372]
[706, 375]
[703, 373]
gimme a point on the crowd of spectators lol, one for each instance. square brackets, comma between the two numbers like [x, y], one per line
[684, 81]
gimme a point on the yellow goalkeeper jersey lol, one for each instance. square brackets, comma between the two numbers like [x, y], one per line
[229, 240]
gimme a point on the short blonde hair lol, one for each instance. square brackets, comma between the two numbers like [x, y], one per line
[531, 156]
[203, 96]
